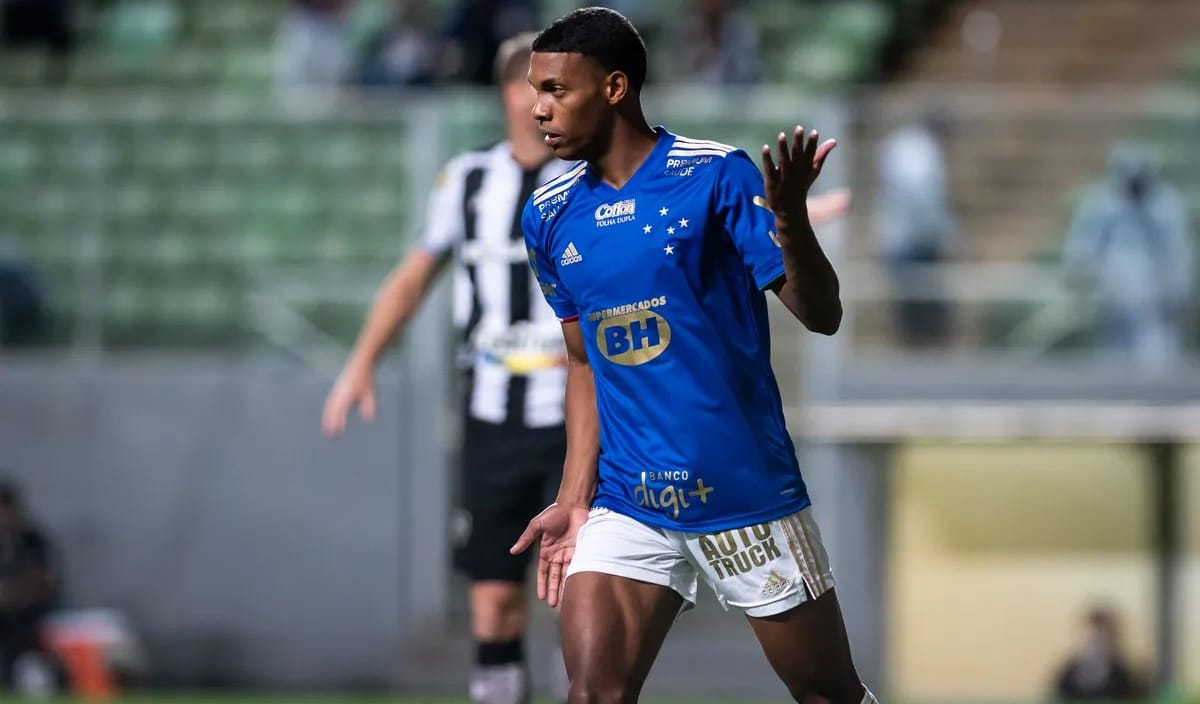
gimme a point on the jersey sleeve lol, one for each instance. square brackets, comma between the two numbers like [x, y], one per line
[741, 204]
[545, 266]
[443, 228]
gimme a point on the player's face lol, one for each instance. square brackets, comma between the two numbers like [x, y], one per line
[519, 98]
[573, 104]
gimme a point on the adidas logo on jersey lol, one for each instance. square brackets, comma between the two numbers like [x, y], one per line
[775, 583]
[570, 255]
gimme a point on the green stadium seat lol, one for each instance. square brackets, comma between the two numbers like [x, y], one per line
[139, 31]
[17, 158]
[251, 67]
[22, 68]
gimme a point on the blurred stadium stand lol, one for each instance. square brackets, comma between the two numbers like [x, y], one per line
[165, 157]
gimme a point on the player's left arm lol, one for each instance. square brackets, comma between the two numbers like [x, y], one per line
[809, 287]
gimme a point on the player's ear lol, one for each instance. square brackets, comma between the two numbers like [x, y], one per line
[616, 86]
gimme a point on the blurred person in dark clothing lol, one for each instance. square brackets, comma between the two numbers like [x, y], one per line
[1099, 670]
[1129, 249]
[48, 23]
[404, 51]
[28, 580]
[717, 43]
[313, 53]
[22, 309]
[915, 224]
[475, 31]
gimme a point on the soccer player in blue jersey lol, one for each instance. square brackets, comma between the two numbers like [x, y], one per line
[654, 251]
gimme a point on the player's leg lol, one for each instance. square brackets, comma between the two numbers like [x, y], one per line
[627, 582]
[498, 619]
[778, 574]
[612, 630]
[498, 495]
[808, 648]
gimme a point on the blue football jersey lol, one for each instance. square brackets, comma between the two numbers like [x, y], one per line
[666, 278]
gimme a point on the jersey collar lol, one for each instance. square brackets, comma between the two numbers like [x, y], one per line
[643, 171]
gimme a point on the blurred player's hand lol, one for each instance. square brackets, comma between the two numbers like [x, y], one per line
[555, 530]
[787, 183]
[354, 386]
[829, 206]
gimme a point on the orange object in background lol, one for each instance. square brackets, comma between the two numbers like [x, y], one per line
[88, 674]
[97, 649]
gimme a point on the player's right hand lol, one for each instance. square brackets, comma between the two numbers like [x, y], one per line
[555, 530]
[354, 386]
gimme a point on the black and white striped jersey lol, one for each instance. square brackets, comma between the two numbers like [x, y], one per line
[512, 344]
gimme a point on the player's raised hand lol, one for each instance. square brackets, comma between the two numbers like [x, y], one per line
[800, 162]
[555, 530]
[354, 386]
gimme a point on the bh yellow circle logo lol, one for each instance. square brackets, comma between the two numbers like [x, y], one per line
[633, 338]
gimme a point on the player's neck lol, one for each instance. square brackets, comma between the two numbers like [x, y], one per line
[528, 149]
[630, 143]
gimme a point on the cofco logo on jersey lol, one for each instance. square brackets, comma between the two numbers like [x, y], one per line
[634, 338]
[614, 213]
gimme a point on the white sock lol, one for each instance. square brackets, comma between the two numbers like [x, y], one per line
[869, 698]
[500, 684]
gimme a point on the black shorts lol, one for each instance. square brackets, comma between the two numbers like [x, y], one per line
[509, 474]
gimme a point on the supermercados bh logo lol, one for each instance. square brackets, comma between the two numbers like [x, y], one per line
[632, 334]
[615, 213]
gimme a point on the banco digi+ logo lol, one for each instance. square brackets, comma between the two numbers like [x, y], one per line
[633, 338]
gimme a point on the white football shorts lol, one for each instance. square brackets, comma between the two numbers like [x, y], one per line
[764, 569]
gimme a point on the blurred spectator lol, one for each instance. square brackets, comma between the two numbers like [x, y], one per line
[716, 43]
[313, 52]
[403, 51]
[476, 29]
[915, 224]
[1099, 670]
[28, 581]
[48, 23]
[1129, 250]
[22, 308]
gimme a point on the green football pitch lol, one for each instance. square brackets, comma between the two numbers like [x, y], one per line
[233, 698]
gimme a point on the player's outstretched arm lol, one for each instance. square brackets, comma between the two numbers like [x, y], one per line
[810, 286]
[395, 303]
[556, 528]
[829, 206]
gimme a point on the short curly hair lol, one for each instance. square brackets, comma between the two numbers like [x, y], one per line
[603, 35]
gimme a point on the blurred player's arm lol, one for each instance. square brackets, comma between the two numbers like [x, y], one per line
[809, 287]
[395, 303]
[829, 206]
[397, 300]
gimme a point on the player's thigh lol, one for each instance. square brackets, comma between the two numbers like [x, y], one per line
[612, 630]
[625, 585]
[777, 573]
[808, 648]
